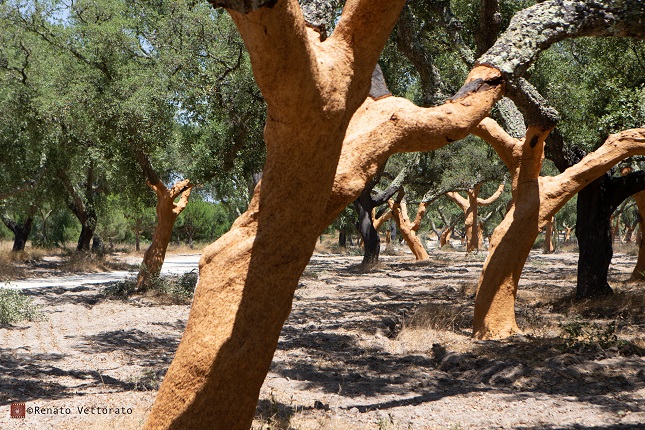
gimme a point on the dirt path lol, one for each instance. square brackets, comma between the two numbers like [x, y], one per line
[43, 277]
[383, 350]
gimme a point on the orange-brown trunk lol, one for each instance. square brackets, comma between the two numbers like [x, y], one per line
[167, 213]
[400, 215]
[445, 235]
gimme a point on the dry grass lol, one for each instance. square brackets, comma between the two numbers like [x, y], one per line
[182, 248]
[9, 268]
[84, 262]
[626, 248]
[14, 265]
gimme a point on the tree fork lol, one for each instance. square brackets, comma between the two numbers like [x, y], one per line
[535, 200]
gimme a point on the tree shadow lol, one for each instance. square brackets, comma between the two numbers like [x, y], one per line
[146, 349]
[326, 353]
[22, 375]
[82, 295]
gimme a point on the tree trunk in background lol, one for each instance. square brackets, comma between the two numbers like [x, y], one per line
[480, 233]
[167, 213]
[85, 238]
[371, 240]
[445, 237]
[639, 271]
[82, 206]
[21, 235]
[137, 240]
[400, 215]
[469, 206]
[548, 247]
[593, 230]
[567, 233]
[596, 204]
[20, 232]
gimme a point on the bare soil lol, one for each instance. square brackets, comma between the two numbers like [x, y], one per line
[387, 349]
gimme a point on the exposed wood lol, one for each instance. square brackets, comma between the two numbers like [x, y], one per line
[469, 205]
[399, 211]
[535, 200]
[167, 213]
[247, 278]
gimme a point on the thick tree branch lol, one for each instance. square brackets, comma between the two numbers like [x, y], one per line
[408, 43]
[394, 186]
[460, 200]
[534, 29]
[504, 144]
[492, 199]
[363, 29]
[616, 148]
[625, 186]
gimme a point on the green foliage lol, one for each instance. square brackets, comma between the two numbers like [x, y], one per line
[596, 84]
[579, 334]
[176, 289]
[15, 307]
[202, 221]
[57, 230]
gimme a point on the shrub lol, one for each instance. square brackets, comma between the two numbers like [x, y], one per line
[16, 307]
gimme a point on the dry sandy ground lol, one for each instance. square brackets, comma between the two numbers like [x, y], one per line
[387, 349]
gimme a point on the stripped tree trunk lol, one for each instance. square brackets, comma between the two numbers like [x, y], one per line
[535, 200]
[445, 236]
[408, 231]
[469, 206]
[167, 213]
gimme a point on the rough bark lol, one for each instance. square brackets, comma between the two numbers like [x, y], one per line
[535, 28]
[365, 205]
[248, 277]
[489, 25]
[593, 231]
[371, 240]
[408, 43]
[167, 213]
[535, 200]
[596, 204]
